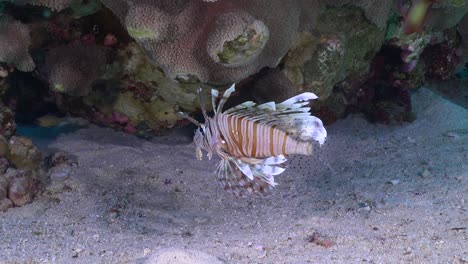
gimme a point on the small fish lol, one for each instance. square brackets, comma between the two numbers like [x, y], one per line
[254, 141]
[53, 121]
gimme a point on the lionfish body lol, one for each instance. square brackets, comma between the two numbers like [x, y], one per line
[253, 140]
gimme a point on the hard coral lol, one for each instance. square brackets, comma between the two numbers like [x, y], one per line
[14, 44]
[445, 14]
[247, 38]
[462, 29]
[73, 68]
[221, 41]
[56, 5]
[7, 121]
[343, 43]
[376, 11]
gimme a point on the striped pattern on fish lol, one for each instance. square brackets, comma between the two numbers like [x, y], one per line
[253, 140]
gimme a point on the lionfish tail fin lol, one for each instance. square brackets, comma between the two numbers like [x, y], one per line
[249, 176]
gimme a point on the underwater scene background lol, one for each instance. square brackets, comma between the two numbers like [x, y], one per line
[97, 165]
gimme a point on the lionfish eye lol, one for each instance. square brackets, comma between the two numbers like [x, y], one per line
[201, 130]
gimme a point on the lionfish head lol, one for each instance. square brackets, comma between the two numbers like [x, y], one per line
[201, 139]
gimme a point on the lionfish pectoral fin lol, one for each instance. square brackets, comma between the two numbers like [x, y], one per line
[199, 153]
[250, 175]
[201, 100]
[186, 116]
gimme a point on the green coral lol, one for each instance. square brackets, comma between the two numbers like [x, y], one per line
[141, 33]
[457, 3]
[59, 88]
[160, 97]
[344, 45]
[129, 106]
[85, 8]
[362, 39]
[243, 48]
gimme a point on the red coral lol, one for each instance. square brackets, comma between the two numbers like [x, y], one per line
[441, 60]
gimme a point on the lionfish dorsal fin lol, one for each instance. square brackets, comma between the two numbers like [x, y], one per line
[269, 106]
[214, 95]
[226, 95]
[299, 100]
[291, 116]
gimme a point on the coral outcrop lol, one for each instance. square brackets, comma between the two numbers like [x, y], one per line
[344, 45]
[73, 68]
[15, 40]
[375, 11]
[55, 5]
[19, 171]
[134, 64]
[223, 41]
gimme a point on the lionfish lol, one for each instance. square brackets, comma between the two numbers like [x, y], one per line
[254, 141]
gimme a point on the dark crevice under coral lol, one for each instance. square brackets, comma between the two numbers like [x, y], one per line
[29, 98]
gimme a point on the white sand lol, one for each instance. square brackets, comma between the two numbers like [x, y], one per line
[137, 201]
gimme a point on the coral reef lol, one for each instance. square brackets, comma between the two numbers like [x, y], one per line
[133, 95]
[80, 7]
[135, 63]
[240, 37]
[55, 5]
[15, 40]
[73, 68]
[23, 154]
[375, 11]
[345, 45]
[445, 14]
[7, 121]
[441, 59]
[272, 85]
[462, 29]
[19, 171]
[21, 185]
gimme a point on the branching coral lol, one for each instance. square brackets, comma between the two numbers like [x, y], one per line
[14, 44]
[73, 68]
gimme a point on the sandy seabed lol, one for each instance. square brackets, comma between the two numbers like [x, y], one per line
[371, 194]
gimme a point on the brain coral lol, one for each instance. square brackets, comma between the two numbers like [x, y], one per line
[14, 44]
[220, 41]
[73, 68]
